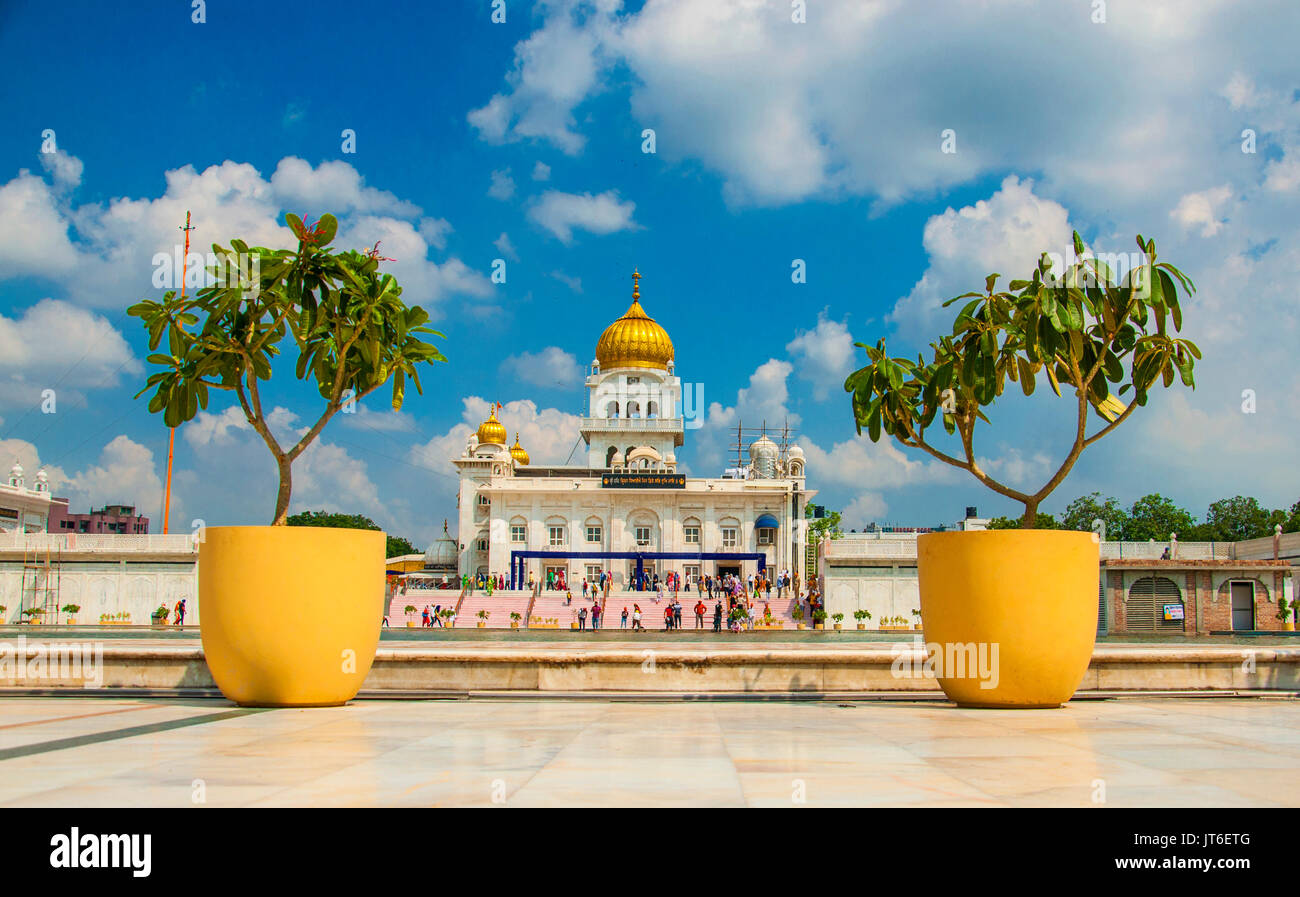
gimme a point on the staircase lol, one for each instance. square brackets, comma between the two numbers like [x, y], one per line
[418, 598]
[499, 606]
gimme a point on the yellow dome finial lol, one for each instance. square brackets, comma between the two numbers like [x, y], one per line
[635, 340]
[491, 430]
[518, 452]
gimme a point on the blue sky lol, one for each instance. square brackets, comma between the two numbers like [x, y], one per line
[521, 141]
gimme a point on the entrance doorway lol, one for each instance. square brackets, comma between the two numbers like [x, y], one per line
[555, 574]
[1243, 606]
[724, 569]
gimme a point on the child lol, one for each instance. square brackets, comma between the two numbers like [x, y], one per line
[623, 620]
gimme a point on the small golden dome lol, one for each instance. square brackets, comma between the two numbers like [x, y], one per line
[518, 452]
[491, 430]
[634, 340]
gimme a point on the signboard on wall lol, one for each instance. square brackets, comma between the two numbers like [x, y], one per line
[643, 480]
[1173, 613]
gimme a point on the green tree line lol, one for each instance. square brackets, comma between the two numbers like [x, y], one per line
[1155, 517]
[397, 546]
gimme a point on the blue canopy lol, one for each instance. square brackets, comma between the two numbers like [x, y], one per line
[766, 521]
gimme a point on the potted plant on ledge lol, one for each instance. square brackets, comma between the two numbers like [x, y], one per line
[482, 618]
[1030, 594]
[515, 617]
[861, 616]
[32, 615]
[353, 334]
[797, 616]
[71, 613]
[839, 619]
[819, 619]
[409, 610]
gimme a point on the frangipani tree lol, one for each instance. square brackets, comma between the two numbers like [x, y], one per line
[352, 331]
[1101, 335]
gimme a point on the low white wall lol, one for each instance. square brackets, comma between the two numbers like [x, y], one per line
[109, 587]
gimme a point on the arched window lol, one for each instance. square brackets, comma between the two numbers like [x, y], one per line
[633, 409]
[652, 409]
[609, 456]
[611, 410]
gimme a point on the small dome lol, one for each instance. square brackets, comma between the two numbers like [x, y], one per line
[670, 458]
[491, 430]
[16, 470]
[518, 452]
[617, 459]
[796, 453]
[635, 340]
[762, 447]
[442, 553]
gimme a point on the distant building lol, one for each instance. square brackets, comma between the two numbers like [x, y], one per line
[1143, 588]
[26, 509]
[120, 519]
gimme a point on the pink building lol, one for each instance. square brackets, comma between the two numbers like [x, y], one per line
[108, 519]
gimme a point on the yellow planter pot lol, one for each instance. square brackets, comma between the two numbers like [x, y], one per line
[481, 624]
[290, 615]
[1021, 603]
[803, 625]
[862, 625]
[1288, 625]
[410, 624]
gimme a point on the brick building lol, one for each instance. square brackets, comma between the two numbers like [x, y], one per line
[120, 519]
[1183, 596]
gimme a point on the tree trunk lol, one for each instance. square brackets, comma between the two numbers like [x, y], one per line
[286, 487]
[1029, 519]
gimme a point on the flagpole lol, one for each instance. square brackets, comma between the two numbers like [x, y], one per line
[171, 438]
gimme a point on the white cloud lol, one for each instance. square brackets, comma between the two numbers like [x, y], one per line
[552, 368]
[505, 247]
[733, 85]
[503, 185]
[765, 400]
[562, 213]
[541, 172]
[65, 169]
[823, 356]
[125, 472]
[1004, 233]
[56, 345]
[1204, 209]
[333, 186]
[33, 233]
[555, 69]
[384, 421]
[111, 262]
[548, 434]
[573, 283]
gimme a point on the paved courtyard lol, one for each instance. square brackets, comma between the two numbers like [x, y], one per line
[1131, 752]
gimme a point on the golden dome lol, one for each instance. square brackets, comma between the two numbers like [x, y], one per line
[491, 430]
[518, 452]
[634, 340]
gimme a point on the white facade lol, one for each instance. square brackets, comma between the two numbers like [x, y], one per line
[632, 430]
[103, 574]
[23, 508]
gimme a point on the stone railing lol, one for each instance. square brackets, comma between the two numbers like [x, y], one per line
[178, 543]
[652, 424]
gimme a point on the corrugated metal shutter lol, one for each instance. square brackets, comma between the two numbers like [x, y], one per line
[1145, 608]
[1101, 604]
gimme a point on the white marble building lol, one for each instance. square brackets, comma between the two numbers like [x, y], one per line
[628, 497]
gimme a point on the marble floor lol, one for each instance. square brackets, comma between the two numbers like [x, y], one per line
[1134, 752]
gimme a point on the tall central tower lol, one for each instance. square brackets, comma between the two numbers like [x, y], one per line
[634, 399]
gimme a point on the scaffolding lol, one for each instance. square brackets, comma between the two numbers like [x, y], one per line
[41, 579]
[743, 434]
